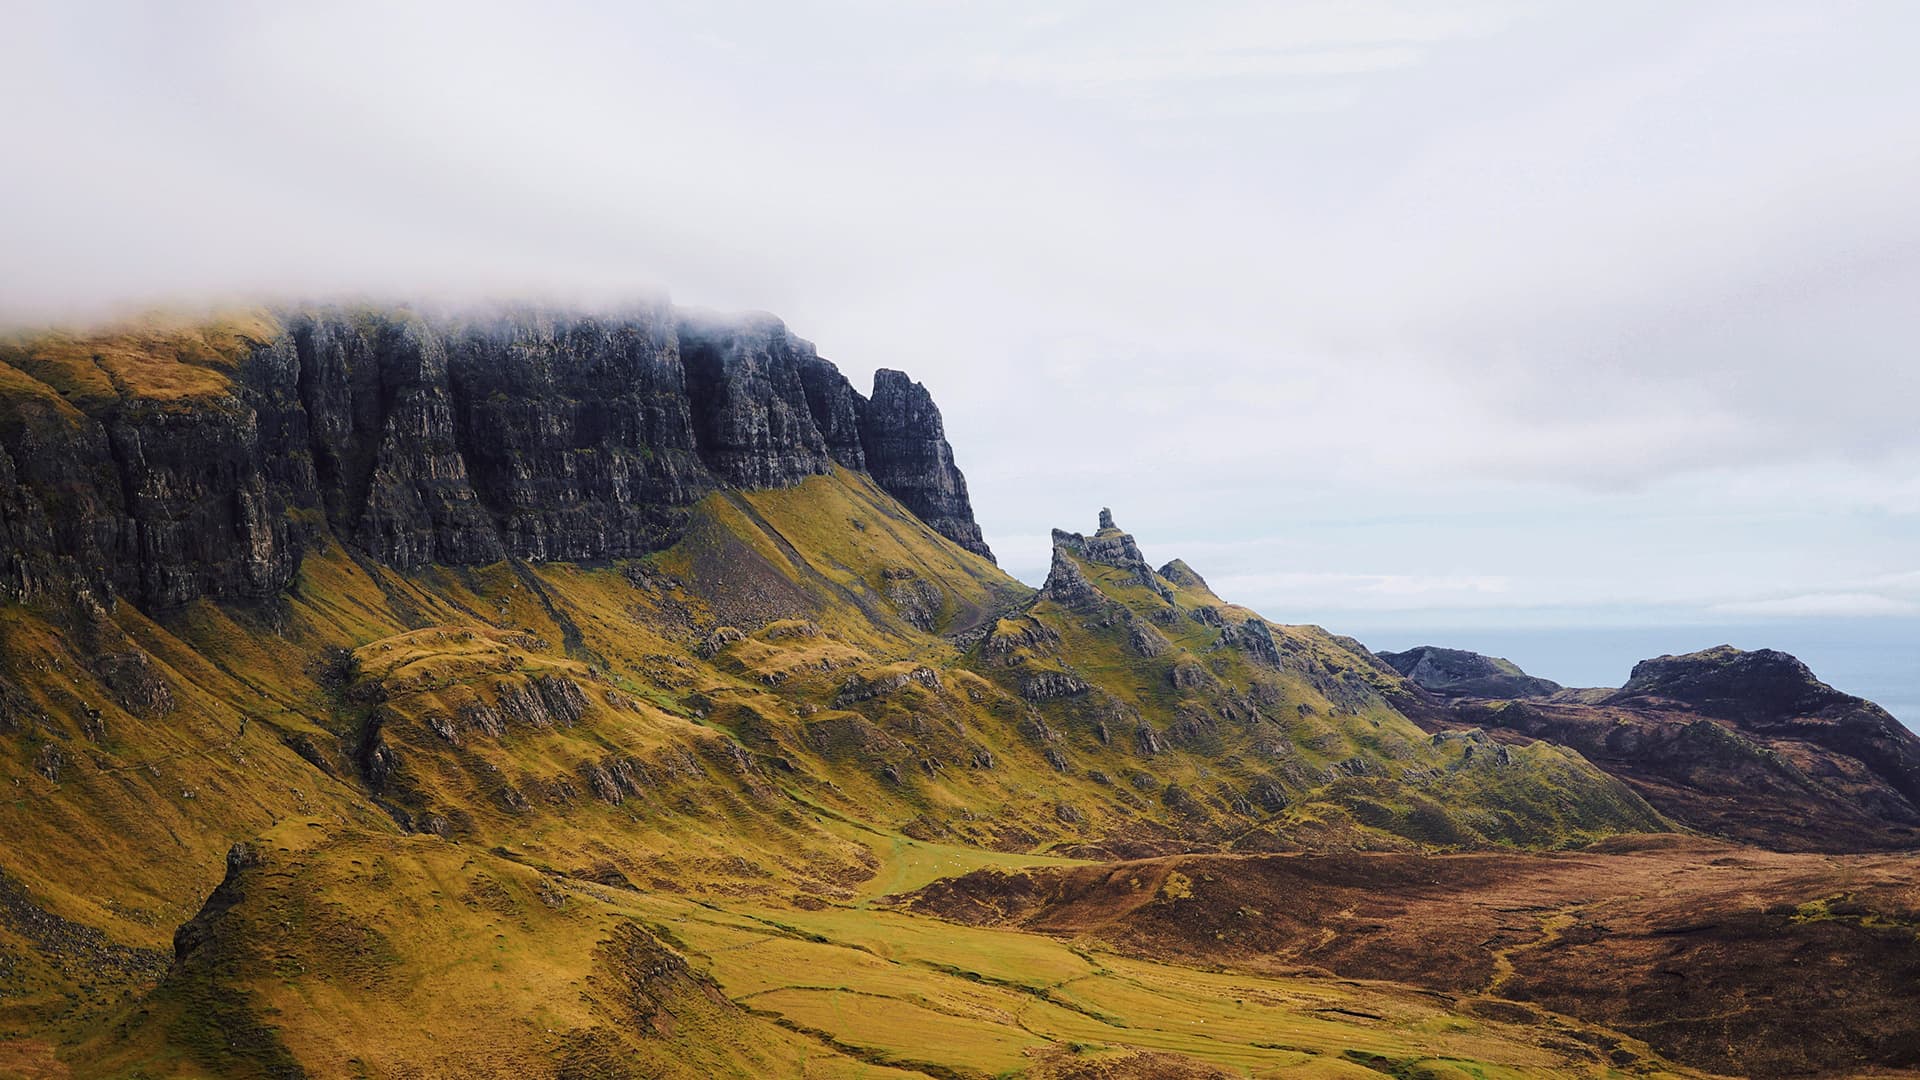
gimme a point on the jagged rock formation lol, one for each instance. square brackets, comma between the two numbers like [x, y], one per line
[1110, 547]
[1459, 673]
[908, 455]
[534, 434]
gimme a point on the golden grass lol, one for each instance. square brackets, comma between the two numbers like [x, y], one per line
[382, 955]
[758, 841]
[164, 358]
[926, 993]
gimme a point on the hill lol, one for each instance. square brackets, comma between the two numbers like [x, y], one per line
[396, 693]
[1744, 745]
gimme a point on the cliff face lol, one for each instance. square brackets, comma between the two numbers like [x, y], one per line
[538, 435]
[907, 453]
[102, 494]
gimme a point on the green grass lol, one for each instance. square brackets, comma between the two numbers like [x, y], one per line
[913, 990]
[774, 810]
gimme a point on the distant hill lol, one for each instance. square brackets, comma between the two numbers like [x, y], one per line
[1458, 673]
[1745, 745]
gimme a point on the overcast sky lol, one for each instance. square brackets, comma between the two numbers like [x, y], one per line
[1429, 313]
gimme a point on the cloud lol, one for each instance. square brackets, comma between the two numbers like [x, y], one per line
[1822, 605]
[1880, 596]
[1611, 303]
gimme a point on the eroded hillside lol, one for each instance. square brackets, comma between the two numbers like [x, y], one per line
[562, 695]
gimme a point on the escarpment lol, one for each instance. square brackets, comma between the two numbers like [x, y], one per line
[416, 439]
[908, 455]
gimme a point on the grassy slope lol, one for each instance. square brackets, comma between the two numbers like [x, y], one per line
[167, 360]
[357, 953]
[790, 732]
[1237, 723]
[774, 850]
[354, 953]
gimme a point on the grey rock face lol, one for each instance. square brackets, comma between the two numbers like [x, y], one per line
[752, 421]
[138, 499]
[1145, 640]
[386, 452]
[837, 410]
[1458, 673]
[1111, 547]
[533, 434]
[1066, 584]
[46, 460]
[1253, 638]
[1187, 675]
[908, 455]
[579, 433]
[1184, 576]
[1046, 685]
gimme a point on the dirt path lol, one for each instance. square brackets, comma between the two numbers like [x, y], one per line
[1552, 925]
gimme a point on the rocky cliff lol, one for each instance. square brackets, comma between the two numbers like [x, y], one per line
[907, 453]
[191, 461]
[465, 790]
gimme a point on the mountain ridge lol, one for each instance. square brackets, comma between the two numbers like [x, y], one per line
[181, 462]
[1744, 744]
[603, 680]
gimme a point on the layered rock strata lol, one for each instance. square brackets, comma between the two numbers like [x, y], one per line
[533, 434]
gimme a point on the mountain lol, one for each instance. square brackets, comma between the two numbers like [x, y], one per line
[171, 463]
[386, 692]
[1744, 745]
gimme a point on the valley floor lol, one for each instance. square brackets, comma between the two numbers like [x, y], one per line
[952, 961]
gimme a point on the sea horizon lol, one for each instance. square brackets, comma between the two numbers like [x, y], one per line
[1874, 658]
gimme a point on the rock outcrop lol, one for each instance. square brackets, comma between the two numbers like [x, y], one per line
[1759, 687]
[1109, 547]
[908, 455]
[203, 464]
[1185, 577]
[1459, 673]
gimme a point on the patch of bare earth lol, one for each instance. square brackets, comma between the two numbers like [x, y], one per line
[1723, 957]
